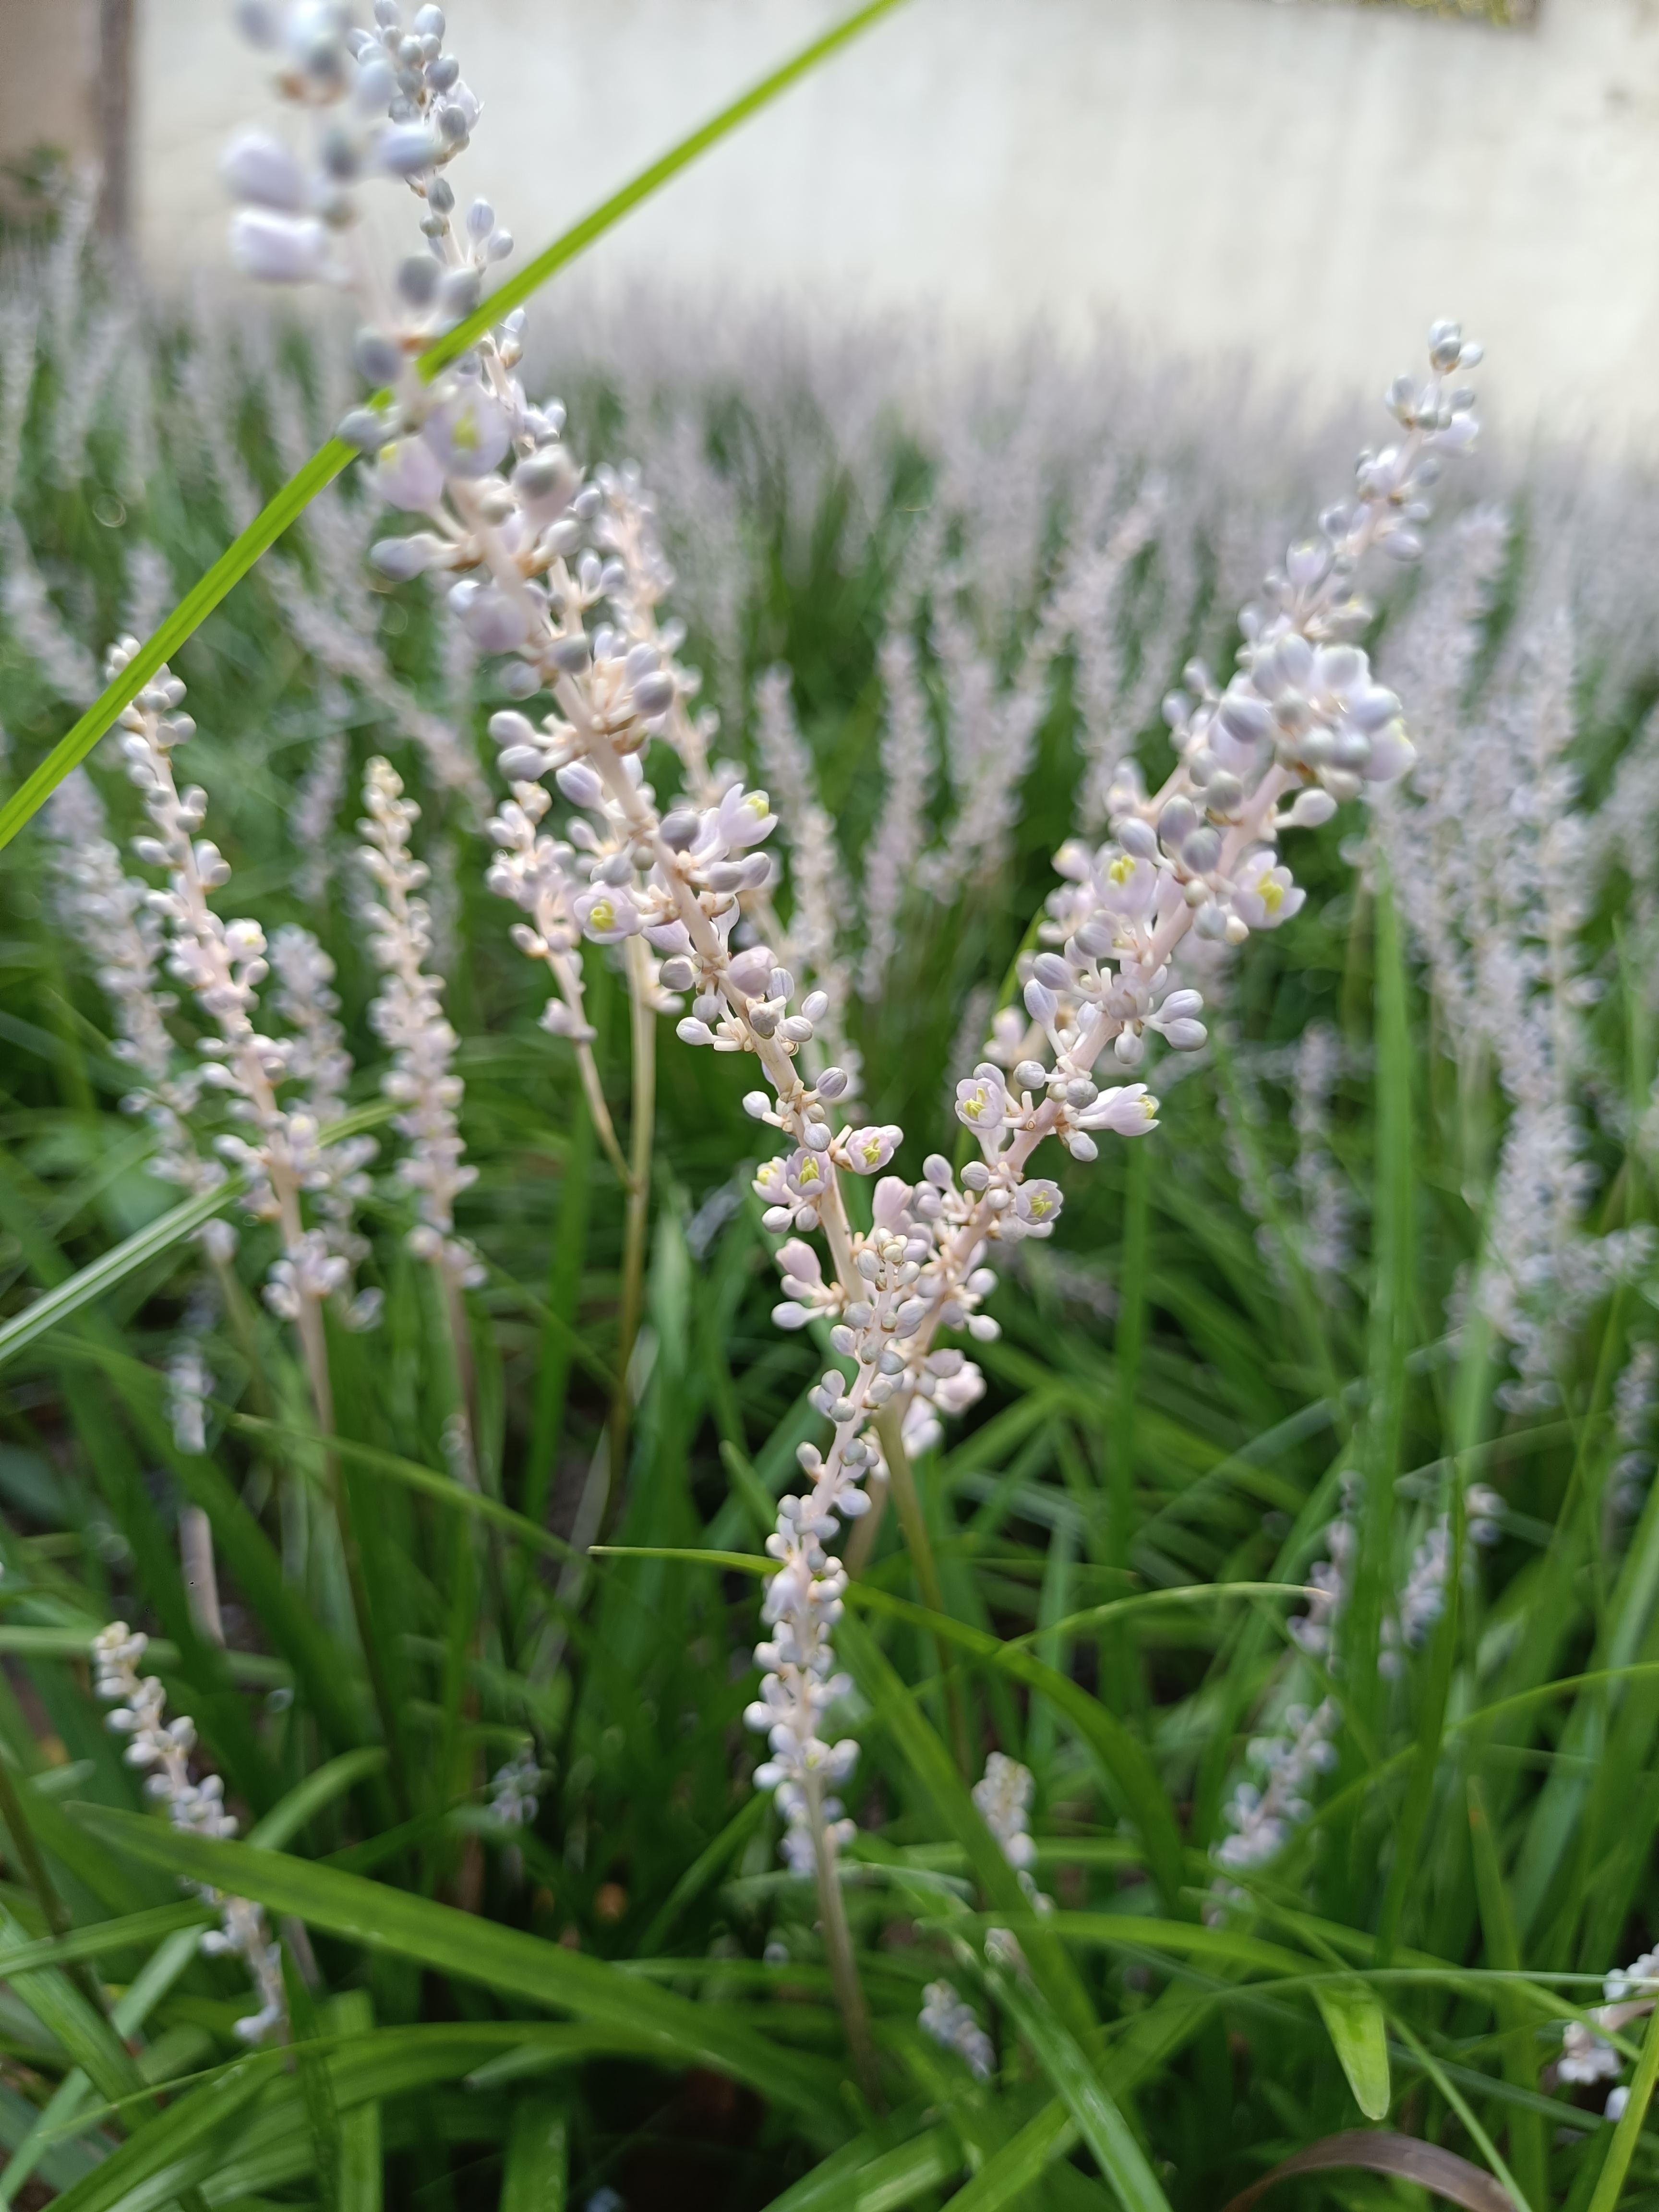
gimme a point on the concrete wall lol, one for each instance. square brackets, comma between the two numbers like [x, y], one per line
[50, 49]
[1309, 182]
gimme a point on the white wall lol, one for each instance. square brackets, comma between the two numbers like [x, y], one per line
[1310, 183]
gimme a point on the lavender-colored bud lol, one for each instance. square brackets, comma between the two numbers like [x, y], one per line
[1201, 851]
[678, 974]
[508, 728]
[522, 763]
[571, 654]
[400, 558]
[362, 428]
[1177, 821]
[815, 1006]
[458, 292]
[1030, 1075]
[1185, 1036]
[581, 784]
[494, 623]
[1040, 1003]
[654, 694]
[406, 149]
[256, 168]
[1096, 937]
[833, 1083]
[751, 970]
[376, 85]
[1137, 838]
[259, 22]
[379, 359]
[278, 249]
[756, 1103]
[1049, 967]
[418, 279]
[1244, 717]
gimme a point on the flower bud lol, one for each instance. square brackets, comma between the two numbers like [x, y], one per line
[278, 249]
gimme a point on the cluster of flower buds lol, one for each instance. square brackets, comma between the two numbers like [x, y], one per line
[564, 577]
[1587, 2058]
[1193, 857]
[1301, 726]
[953, 2024]
[1261, 1816]
[163, 1746]
[1004, 1799]
[514, 1789]
[223, 964]
[407, 1017]
[388, 102]
[109, 914]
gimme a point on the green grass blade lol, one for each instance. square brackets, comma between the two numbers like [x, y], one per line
[1018, 2166]
[877, 2184]
[358, 2183]
[1353, 2019]
[1128, 1768]
[320, 470]
[536, 2177]
[471, 1949]
[132, 1931]
[66, 2014]
[306, 1799]
[187, 2126]
[1095, 2114]
[427, 1479]
[933, 1767]
[100, 1276]
[1393, 1204]
[1527, 2151]
[1610, 2180]
[127, 2015]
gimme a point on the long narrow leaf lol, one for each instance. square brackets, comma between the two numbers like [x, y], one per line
[474, 1950]
[1095, 2113]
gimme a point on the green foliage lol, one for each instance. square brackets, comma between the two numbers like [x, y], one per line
[628, 1992]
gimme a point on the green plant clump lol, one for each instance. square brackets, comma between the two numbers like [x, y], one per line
[1254, 1687]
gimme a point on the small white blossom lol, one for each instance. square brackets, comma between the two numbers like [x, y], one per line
[407, 1017]
[952, 2023]
[163, 1748]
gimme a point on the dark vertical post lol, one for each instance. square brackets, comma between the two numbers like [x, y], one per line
[115, 117]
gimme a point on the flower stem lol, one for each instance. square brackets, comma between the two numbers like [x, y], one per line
[32, 1868]
[642, 1030]
[906, 1498]
[1623, 2146]
[314, 1344]
[838, 1948]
